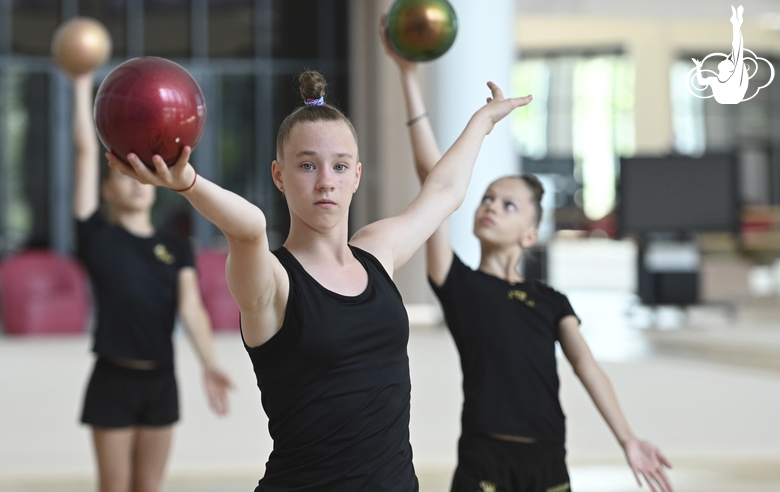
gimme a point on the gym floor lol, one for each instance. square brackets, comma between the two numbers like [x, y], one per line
[702, 386]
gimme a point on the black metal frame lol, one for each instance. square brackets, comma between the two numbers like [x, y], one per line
[262, 67]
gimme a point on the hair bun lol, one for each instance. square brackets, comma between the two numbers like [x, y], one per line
[313, 85]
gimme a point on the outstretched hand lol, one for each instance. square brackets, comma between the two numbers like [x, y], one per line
[217, 386]
[177, 177]
[498, 106]
[646, 460]
[403, 64]
[697, 62]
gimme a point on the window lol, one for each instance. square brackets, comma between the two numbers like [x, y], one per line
[583, 110]
[748, 129]
[245, 54]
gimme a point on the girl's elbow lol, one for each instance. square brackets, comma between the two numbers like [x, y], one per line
[583, 366]
[450, 191]
[577, 368]
[252, 232]
[448, 200]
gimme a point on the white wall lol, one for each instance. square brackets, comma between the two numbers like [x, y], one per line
[389, 182]
[652, 33]
[653, 44]
[693, 9]
[483, 51]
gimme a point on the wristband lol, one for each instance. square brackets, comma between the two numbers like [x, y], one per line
[190, 186]
[417, 118]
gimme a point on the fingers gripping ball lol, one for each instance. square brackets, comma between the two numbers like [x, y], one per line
[149, 106]
[80, 45]
[421, 30]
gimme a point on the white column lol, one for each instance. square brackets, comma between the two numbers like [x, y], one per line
[484, 50]
[454, 88]
[389, 182]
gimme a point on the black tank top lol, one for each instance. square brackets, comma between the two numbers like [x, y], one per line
[335, 385]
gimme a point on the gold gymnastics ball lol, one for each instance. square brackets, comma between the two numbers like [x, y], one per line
[80, 45]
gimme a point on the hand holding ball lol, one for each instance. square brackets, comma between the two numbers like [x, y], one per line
[421, 30]
[80, 45]
[149, 106]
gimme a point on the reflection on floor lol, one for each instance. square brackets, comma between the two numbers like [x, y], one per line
[716, 367]
[755, 477]
[703, 386]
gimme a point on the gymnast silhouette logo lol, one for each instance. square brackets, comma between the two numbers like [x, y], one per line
[730, 84]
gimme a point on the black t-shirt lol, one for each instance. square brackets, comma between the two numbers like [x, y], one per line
[135, 285]
[336, 388]
[506, 335]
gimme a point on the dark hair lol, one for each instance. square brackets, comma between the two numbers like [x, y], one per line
[104, 170]
[537, 190]
[312, 86]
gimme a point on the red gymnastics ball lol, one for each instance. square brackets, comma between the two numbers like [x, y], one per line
[149, 106]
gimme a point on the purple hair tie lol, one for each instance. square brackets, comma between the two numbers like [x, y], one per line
[315, 102]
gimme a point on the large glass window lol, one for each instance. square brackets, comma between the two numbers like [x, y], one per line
[245, 54]
[113, 15]
[583, 111]
[167, 28]
[603, 128]
[231, 29]
[34, 23]
[25, 196]
[749, 129]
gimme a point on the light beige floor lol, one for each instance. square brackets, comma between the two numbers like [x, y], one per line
[748, 477]
[714, 415]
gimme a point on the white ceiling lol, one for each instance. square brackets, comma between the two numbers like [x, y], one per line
[648, 8]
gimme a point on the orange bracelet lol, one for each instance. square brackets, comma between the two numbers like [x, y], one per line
[190, 186]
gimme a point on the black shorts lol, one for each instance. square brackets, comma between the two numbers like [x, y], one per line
[120, 397]
[486, 464]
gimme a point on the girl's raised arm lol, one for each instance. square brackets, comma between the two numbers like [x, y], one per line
[394, 240]
[438, 249]
[256, 279]
[86, 189]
